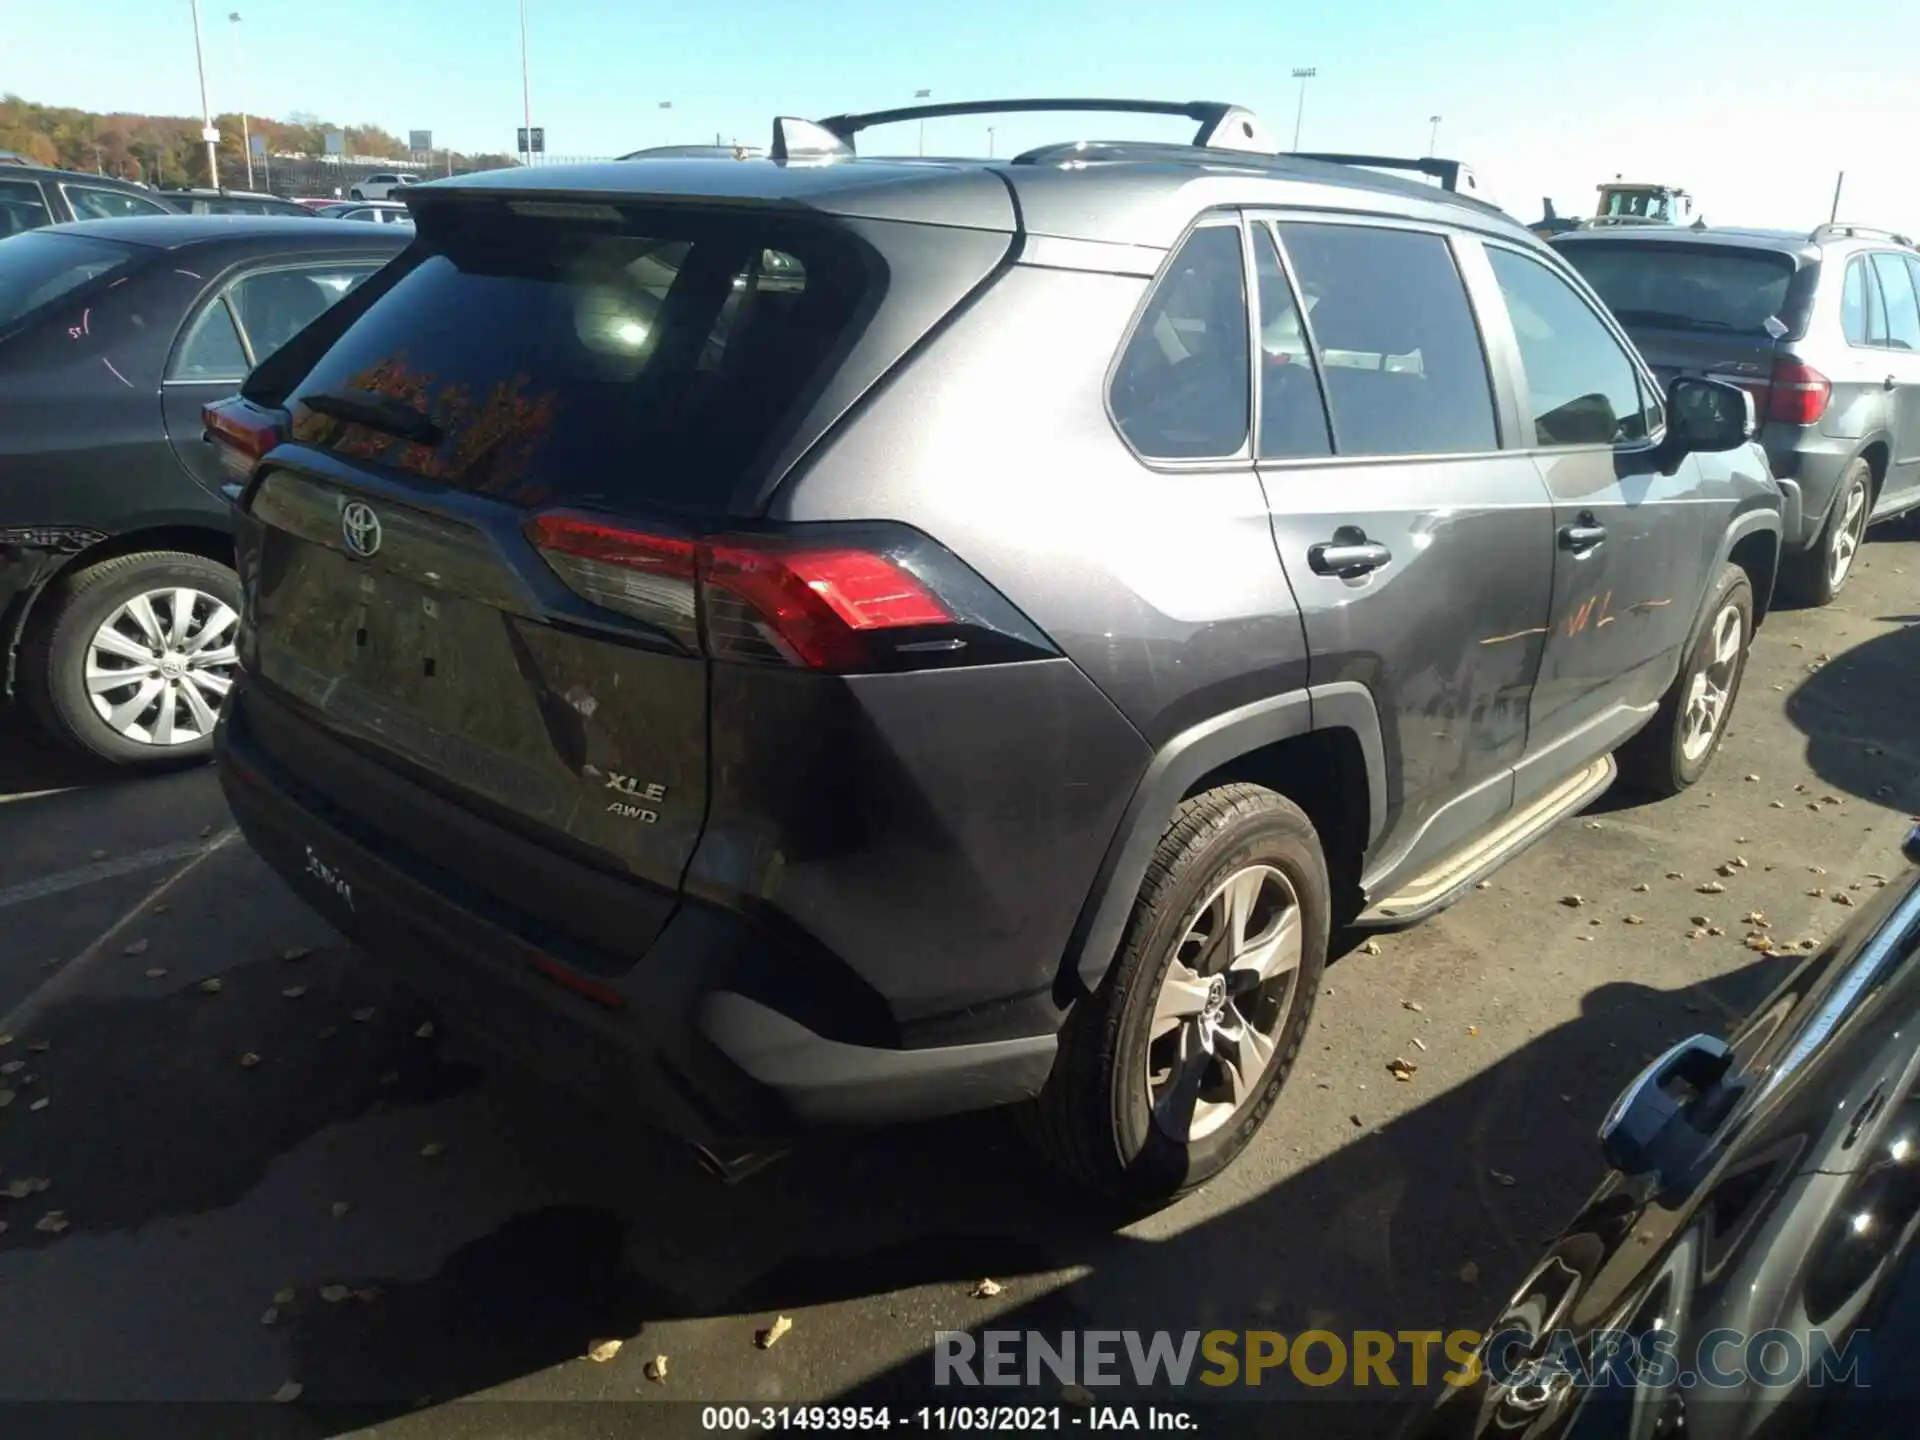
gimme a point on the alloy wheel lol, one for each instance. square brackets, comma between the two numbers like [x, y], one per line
[1227, 992]
[158, 667]
[1710, 695]
[1849, 531]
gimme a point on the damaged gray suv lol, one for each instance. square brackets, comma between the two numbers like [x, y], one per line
[825, 640]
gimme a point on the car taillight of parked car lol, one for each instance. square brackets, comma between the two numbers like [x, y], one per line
[843, 604]
[1797, 395]
[243, 431]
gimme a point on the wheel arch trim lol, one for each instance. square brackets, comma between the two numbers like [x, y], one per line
[1175, 768]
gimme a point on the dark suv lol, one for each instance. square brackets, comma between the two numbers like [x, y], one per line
[841, 640]
[1823, 328]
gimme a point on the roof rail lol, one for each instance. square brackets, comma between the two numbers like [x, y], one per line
[1222, 126]
[1452, 174]
[1857, 232]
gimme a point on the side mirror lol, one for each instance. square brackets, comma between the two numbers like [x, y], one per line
[1709, 415]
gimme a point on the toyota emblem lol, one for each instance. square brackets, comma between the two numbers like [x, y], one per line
[360, 528]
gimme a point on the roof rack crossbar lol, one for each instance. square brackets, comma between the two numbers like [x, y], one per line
[1861, 232]
[1447, 172]
[1222, 126]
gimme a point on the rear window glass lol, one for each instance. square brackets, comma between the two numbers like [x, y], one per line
[37, 268]
[566, 364]
[1686, 286]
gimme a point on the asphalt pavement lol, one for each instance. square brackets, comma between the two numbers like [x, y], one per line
[268, 1168]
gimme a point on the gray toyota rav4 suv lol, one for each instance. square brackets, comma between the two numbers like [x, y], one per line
[1823, 328]
[826, 640]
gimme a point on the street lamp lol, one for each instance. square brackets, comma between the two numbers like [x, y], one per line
[206, 115]
[526, 87]
[990, 142]
[239, 70]
[923, 95]
[1433, 139]
[1302, 74]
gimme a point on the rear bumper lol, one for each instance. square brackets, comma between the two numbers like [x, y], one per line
[1808, 466]
[671, 1036]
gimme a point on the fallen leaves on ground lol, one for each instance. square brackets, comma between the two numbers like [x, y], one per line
[1401, 1068]
[432, 1148]
[39, 1104]
[156, 972]
[1371, 947]
[601, 1351]
[27, 1185]
[986, 1289]
[249, 1060]
[1712, 887]
[766, 1339]
[1840, 897]
[295, 952]
[1413, 1005]
[138, 947]
[54, 1222]
[211, 986]
[1470, 1273]
[270, 1315]
[425, 1032]
[1500, 1177]
[283, 1297]
[340, 1208]
[294, 992]
[289, 1392]
[1631, 920]
[1758, 919]
[364, 1014]
[1573, 902]
[1419, 1044]
[656, 1370]
[1642, 888]
[334, 1294]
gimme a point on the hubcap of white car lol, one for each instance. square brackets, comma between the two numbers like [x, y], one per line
[1227, 991]
[159, 666]
[1849, 529]
[1710, 694]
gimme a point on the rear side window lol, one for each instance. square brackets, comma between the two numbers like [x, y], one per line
[1861, 320]
[1584, 387]
[276, 305]
[1903, 307]
[90, 203]
[1399, 352]
[1686, 286]
[1182, 388]
[565, 363]
[37, 268]
[22, 207]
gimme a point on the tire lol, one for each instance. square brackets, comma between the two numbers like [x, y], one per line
[354, 194]
[71, 637]
[1102, 1118]
[1674, 750]
[1816, 576]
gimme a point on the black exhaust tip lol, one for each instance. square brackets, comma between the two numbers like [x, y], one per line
[731, 1166]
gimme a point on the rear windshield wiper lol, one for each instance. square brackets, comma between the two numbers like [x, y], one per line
[376, 412]
[1671, 319]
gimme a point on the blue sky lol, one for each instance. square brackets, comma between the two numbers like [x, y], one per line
[1754, 106]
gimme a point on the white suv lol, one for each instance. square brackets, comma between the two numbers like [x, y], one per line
[380, 187]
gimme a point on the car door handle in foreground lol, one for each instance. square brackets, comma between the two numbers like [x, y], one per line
[1348, 554]
[1584, 534]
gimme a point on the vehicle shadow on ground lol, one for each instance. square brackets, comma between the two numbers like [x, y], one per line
[542, 1226]
[1860, 714]
[31, 760]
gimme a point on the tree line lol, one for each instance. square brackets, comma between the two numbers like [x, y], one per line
[167, 149]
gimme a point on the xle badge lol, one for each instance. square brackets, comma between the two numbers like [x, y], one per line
[638, 790]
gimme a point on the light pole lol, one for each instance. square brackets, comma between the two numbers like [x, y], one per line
[1433, 137]
[240, 69]
[526, 85]
[1302, 74]
[206, 115]
[990, 142]
[923, 95]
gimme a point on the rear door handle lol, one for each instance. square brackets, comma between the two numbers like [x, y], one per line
[1348, 554]
[1582, 535]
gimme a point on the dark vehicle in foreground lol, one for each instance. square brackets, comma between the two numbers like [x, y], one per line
[1823, 327]
[117, 595]
[945, 634]
[32, 196]
[203, 201]
[1749, 1268]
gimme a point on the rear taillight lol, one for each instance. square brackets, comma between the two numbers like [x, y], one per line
[846, 599]
[243, 431]
[1798, 394]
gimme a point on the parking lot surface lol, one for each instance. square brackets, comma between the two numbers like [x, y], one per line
[268, 1167]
